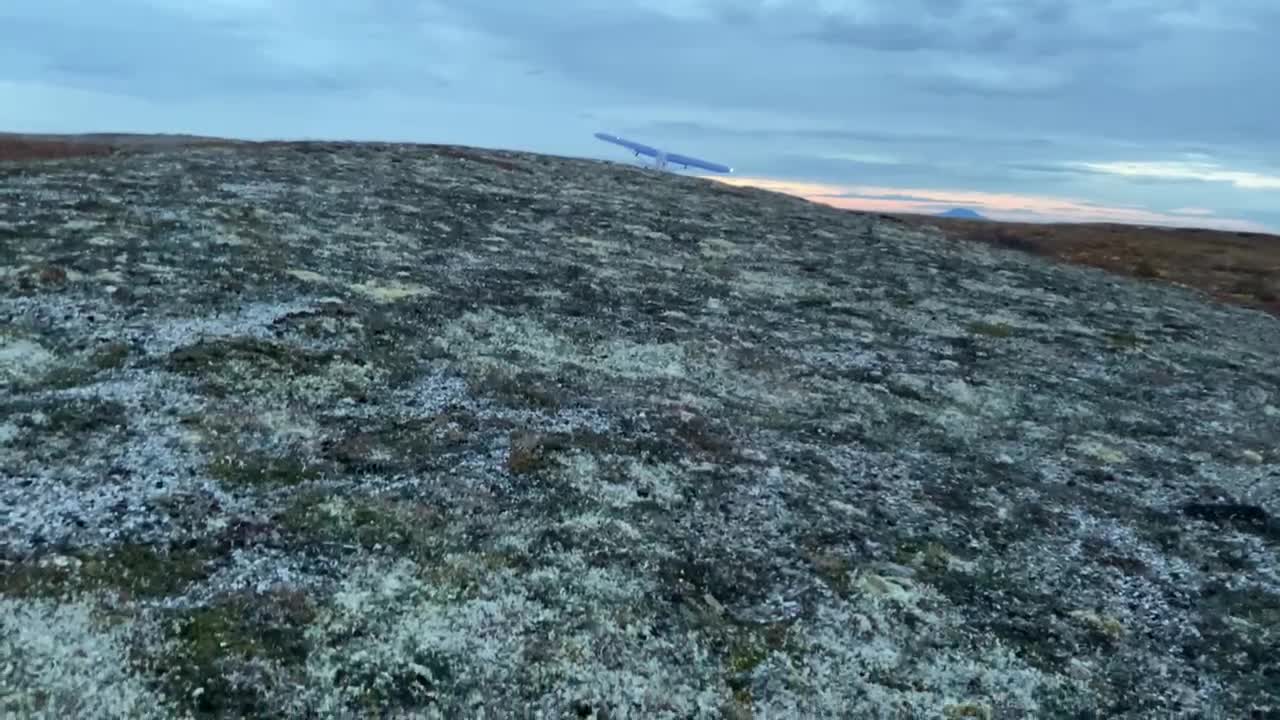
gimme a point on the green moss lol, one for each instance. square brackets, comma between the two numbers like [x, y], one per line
[528, 453]
[465, 576]
[246, 364]
[812, 302]
[197, 359]
[1124, 341]
[1144, 268]
[701, 436]
[746, 654]
[903, 300]
[834, 571]
[745, 648]
[1255, 606]
[147, 571]
[110, 356]
[995, 330]
[140, 571]
[214, 632]
[29, 579]
[1029, 622]
[927, 555]
[406, 528]
[739, 705]
[523, 389]
[230, 628]
[1237, 637]
[212, 642]
[410, 687]
[959, 711]
[86, 416]
[403, 446]
[67, 375]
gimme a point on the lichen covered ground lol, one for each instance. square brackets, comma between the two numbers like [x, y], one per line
[305, 430]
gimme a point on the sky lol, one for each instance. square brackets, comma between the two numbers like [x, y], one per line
[1145, 111]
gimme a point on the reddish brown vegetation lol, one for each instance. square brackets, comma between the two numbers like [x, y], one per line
[24, 147]
[1236, 267]
[20, 148]
[16, 147]
[465, 154]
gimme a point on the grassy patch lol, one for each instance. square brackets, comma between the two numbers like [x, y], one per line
[81, 417]
[409, 686]
[227, 658]
[1124, 341]
[135, 570]
[248, 366]
[1036, 626]
[746, 649]
[1239, 630]
[926, 555]
[1146, 269]
[203, 356]
[111, 356]
[529, 452]
[65, 376]
[995, 330]
[258, 469]
[402, 445]
[835, 571]
[404, 527]
[518, 389]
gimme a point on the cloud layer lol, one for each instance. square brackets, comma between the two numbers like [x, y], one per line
[1155, 105]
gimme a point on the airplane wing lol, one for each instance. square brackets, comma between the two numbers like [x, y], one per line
[663, 158]
[695, 162]
[637, 147]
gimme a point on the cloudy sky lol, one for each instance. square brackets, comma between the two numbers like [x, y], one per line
[1163, 111]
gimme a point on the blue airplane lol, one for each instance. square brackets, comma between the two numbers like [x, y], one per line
[663, 159]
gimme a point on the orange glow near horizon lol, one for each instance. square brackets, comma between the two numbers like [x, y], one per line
[997, 206]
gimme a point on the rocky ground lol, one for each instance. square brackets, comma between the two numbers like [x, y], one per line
[317, 430]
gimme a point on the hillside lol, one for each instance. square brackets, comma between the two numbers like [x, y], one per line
[1236, 267]
[353, 430]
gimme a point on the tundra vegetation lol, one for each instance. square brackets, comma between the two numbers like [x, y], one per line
[361, 430]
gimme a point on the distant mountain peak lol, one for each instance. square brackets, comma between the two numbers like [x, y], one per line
[963, 213]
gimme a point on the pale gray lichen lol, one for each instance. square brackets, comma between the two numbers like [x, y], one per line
[357, 429]
[57, 660]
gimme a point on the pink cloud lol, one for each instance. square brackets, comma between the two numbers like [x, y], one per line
[998, 206]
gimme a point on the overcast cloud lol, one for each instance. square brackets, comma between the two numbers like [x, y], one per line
[1144, 109]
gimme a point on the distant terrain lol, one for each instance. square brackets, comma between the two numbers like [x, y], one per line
[962, 213]
[1236, 267]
